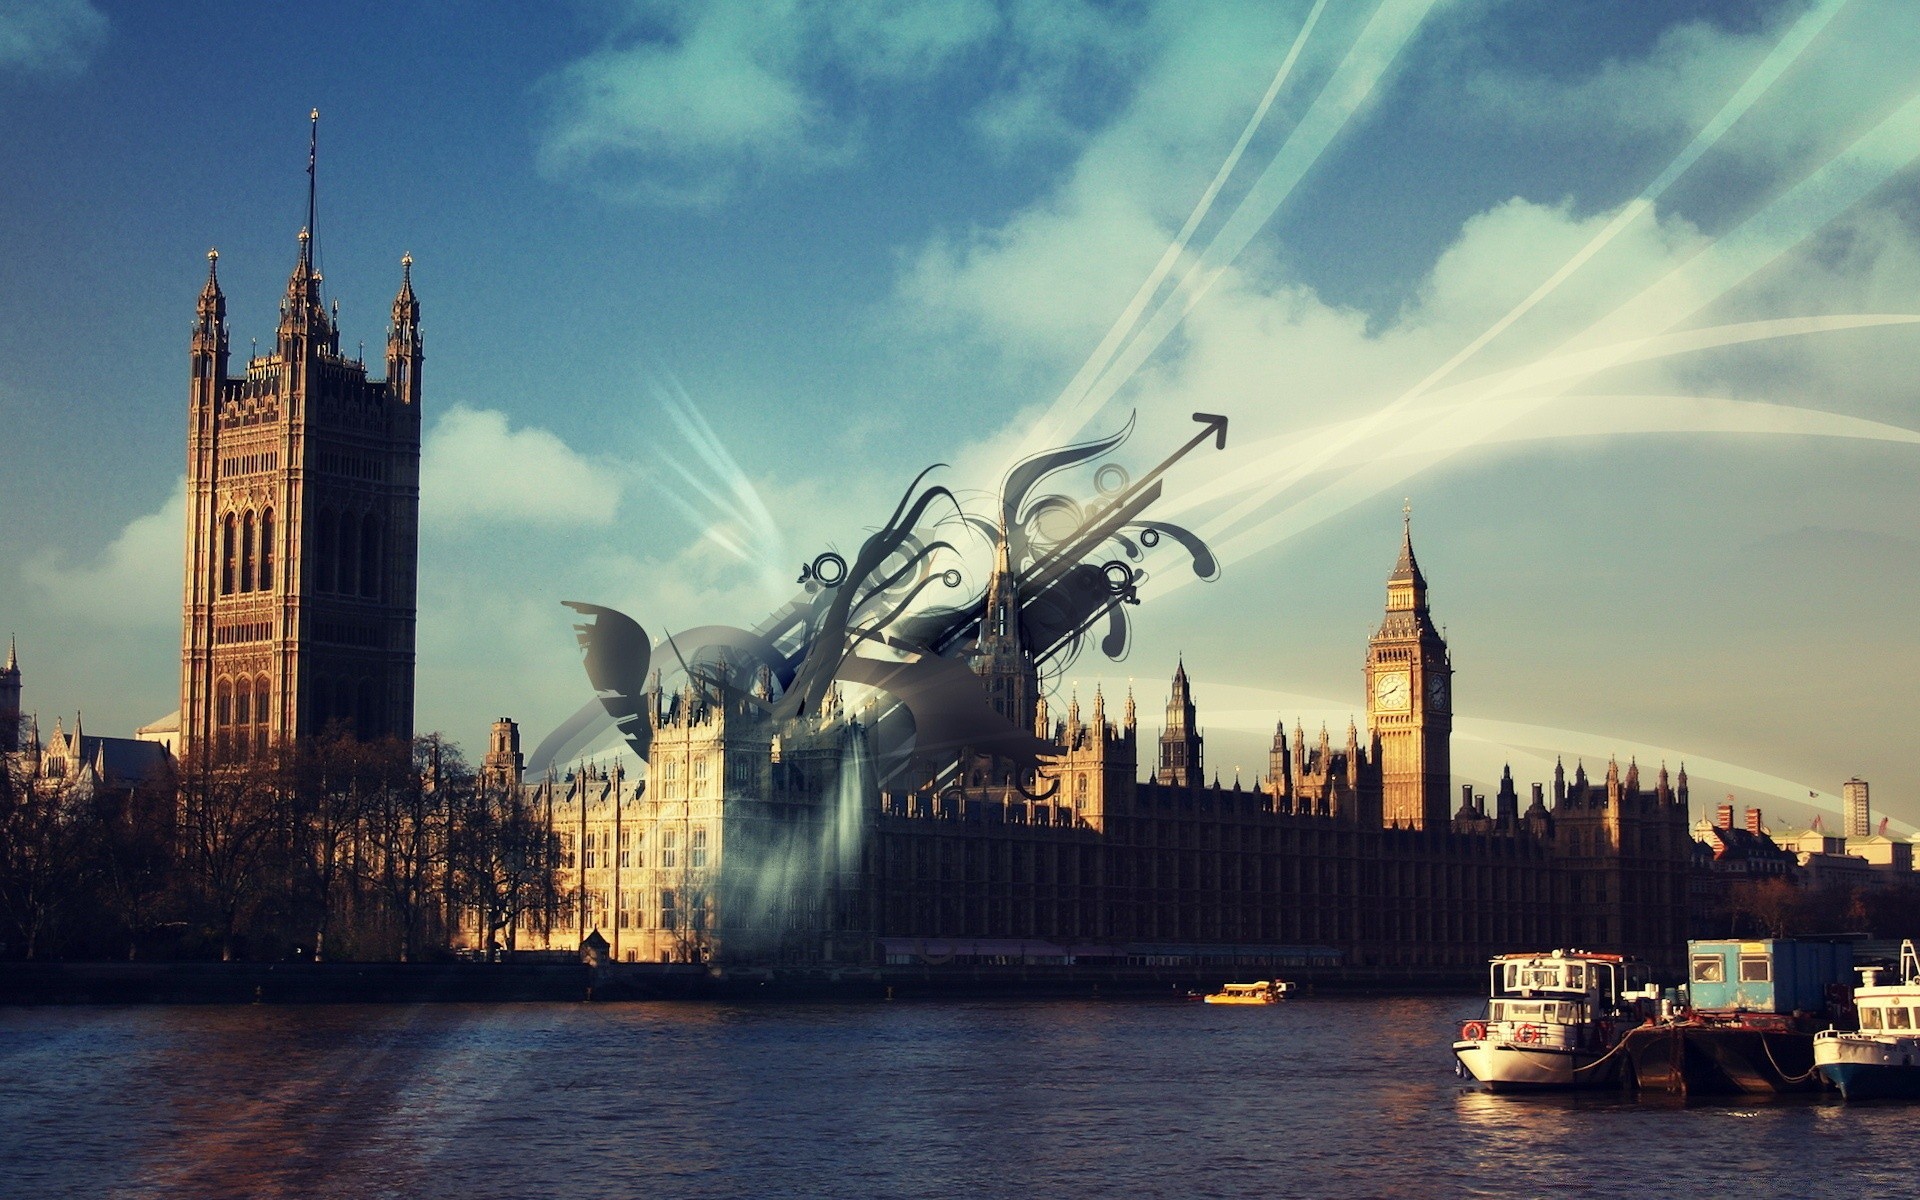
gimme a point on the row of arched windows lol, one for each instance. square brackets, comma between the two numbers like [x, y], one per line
[246, 553]
[355, 703]
[347, 554]
[241, 708]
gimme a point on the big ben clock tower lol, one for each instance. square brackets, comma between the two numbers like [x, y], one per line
[1410, 701]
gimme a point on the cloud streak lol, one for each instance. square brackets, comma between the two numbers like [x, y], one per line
[50, 37]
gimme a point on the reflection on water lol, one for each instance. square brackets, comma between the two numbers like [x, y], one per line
[1318, 1097]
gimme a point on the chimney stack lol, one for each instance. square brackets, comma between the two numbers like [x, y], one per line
[1753, 821]
[1723, 816]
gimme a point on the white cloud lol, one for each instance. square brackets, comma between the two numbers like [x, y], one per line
[133, 582]
[50, 36]
[475, 468]
[1859, 64]
[685, 100]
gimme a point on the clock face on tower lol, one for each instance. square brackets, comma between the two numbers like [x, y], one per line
[1437, 690]
[1393, 692]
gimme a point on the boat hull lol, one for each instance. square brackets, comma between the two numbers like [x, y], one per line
[1867, 1068]
[1701, 1059]
[1509, 1068]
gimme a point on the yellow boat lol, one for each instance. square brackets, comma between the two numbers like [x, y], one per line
[1267, 991]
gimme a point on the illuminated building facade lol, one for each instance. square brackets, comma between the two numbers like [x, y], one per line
[1341, 853]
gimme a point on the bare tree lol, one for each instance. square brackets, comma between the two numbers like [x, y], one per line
[408, 820]
[338, 775]
[131, 847]
[41, 867]
[506, 863]
[233, 827]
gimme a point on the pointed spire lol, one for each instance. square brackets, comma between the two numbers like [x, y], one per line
[1099, 709]
[1407, 568]
[13, 655]
[1132, 720]
[210, 293]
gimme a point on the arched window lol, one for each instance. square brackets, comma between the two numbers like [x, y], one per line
[370, 557]
[243, 715]
[349, 555]
[324, 552]
[246, 553]
[223, 703]
[266, 551]
[226, 557]
[262, 707]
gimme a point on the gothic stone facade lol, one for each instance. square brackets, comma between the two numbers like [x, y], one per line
[754, 843]
[302, 527]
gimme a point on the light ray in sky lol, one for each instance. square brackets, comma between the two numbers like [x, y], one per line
[732, 495]
[1785, 222]
[1389, 30]
[1130, 316]
[1783, 55]
[1497, 399]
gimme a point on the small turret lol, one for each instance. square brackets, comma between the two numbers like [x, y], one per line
[10, 700]
[406, 348]
[1506, 808]
[210, 326]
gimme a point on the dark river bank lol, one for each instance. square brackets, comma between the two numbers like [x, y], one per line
[1323, 1097]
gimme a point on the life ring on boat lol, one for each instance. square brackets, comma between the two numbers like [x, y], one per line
[1528, 1033]
[1473, 1031]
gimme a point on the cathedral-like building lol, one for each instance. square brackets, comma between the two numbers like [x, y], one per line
[756, 842]
[303, 499]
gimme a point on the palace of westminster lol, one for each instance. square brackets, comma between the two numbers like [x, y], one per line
[761, 843]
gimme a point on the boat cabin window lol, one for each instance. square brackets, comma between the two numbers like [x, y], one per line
[1576, 977]
[1756, 968]
[1546, 1012]
[1534, 977]
[1709, 968]
[1869, 1018]
[1899, 1018]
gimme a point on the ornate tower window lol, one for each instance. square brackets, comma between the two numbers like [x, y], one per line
[266, 550]
[348, 567]
[370, 557]
[324, 550]
[246, 553]
[226, 556]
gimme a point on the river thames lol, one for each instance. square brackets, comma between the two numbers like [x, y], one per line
[1320, 1097]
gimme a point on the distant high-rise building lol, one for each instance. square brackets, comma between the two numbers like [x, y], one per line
[1853, 802]
[303, 500]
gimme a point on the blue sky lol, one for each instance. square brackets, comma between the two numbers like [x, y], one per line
[857, 239]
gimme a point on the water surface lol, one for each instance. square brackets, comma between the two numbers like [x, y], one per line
[1320, 1097]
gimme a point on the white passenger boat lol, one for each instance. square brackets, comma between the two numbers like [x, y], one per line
[1882, 1059]
[1554, 1020]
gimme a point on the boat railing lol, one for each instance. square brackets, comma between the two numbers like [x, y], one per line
[1541, 1035]
[1909, 963]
